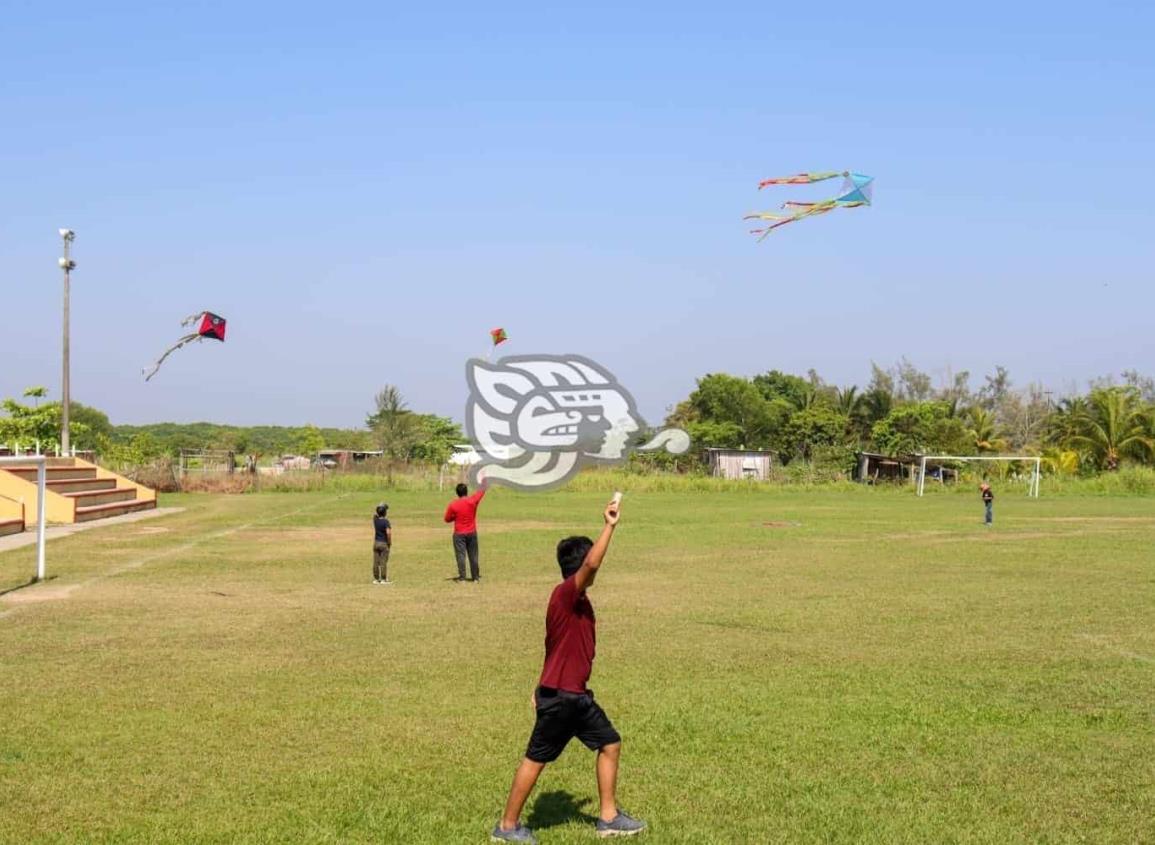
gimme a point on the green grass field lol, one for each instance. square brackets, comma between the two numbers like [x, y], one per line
[792, 666]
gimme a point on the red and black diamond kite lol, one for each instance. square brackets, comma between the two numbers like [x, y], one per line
[210, 326]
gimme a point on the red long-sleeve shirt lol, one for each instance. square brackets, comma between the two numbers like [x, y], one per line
[462, 512]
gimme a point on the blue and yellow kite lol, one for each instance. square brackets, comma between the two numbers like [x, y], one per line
[857, 190]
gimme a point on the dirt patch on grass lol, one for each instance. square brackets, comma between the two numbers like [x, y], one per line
[34, 594]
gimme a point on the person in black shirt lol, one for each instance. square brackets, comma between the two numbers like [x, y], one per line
[989, 501]
[382, 543]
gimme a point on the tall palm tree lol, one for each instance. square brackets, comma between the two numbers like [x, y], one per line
[1115, 424]
[984, 429]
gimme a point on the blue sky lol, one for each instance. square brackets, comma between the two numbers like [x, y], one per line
[364, 190]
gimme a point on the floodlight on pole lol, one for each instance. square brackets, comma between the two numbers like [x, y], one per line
[67, 265]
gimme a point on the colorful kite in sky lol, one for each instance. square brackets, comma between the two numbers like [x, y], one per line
[209, 326]
[499, 336]
[857, 190]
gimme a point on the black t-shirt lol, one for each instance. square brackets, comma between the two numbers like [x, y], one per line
[988, 495]
[380, 526]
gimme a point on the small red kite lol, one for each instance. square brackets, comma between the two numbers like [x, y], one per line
[209, 327]
[499, 336]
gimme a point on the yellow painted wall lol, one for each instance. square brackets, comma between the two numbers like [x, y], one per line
[57, 508]
[10, 509]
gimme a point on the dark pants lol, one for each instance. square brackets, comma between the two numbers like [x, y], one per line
[990, 512]
[380, 562]
[466, 544]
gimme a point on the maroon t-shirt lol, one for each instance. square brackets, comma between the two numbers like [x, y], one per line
[570, 636]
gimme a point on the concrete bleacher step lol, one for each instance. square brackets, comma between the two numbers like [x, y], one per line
[64, 486]
[11, 526]
[52, 473]
[87, 514]
[88, 498]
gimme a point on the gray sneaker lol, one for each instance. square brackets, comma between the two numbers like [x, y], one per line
[521, 833]
[622, 825]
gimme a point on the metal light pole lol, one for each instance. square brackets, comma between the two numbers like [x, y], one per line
[67, 265]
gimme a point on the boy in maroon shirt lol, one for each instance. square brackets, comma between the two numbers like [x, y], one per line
[564, 705]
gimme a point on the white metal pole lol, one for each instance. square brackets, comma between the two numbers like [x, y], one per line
[41, 495]
[921, 474]
[67, 265]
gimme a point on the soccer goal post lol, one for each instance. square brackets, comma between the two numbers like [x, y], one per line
[41, 464]
[1033, 490]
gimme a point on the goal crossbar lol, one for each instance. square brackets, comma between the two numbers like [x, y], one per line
[1035, 459]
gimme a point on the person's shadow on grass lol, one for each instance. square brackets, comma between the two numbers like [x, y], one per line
[557, 807]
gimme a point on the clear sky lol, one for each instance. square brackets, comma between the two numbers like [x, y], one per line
[365, 189]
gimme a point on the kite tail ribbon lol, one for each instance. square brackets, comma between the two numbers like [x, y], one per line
[187, 339]
[801, 178]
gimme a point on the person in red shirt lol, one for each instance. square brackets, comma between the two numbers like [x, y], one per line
[462, 512]
[564, 705]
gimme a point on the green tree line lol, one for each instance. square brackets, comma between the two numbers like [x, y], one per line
[800, 418]
[391, 427]
[901, 412]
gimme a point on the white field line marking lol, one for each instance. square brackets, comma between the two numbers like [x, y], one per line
[1100, 640]
[65, 592]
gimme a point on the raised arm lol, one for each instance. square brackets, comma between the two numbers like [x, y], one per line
[585, 576]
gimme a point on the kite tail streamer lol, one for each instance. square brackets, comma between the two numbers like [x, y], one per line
[187, 339]
[801, 178]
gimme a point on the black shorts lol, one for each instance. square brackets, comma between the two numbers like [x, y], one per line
[563, 715]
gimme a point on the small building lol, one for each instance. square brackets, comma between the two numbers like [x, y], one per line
[873, 467]
[342, 458]
[738, 464]
[464, 455]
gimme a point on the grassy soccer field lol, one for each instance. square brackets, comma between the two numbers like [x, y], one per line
[791, 666]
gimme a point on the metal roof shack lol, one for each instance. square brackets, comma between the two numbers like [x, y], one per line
[739, 464]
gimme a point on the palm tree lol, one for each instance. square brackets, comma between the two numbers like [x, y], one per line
[852, 405]
[395, 427]
[1114, 424]
[984, 430]
[877, 404]
[1065, 420]
[1060, 461]
[35, 394]
[849, 401]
